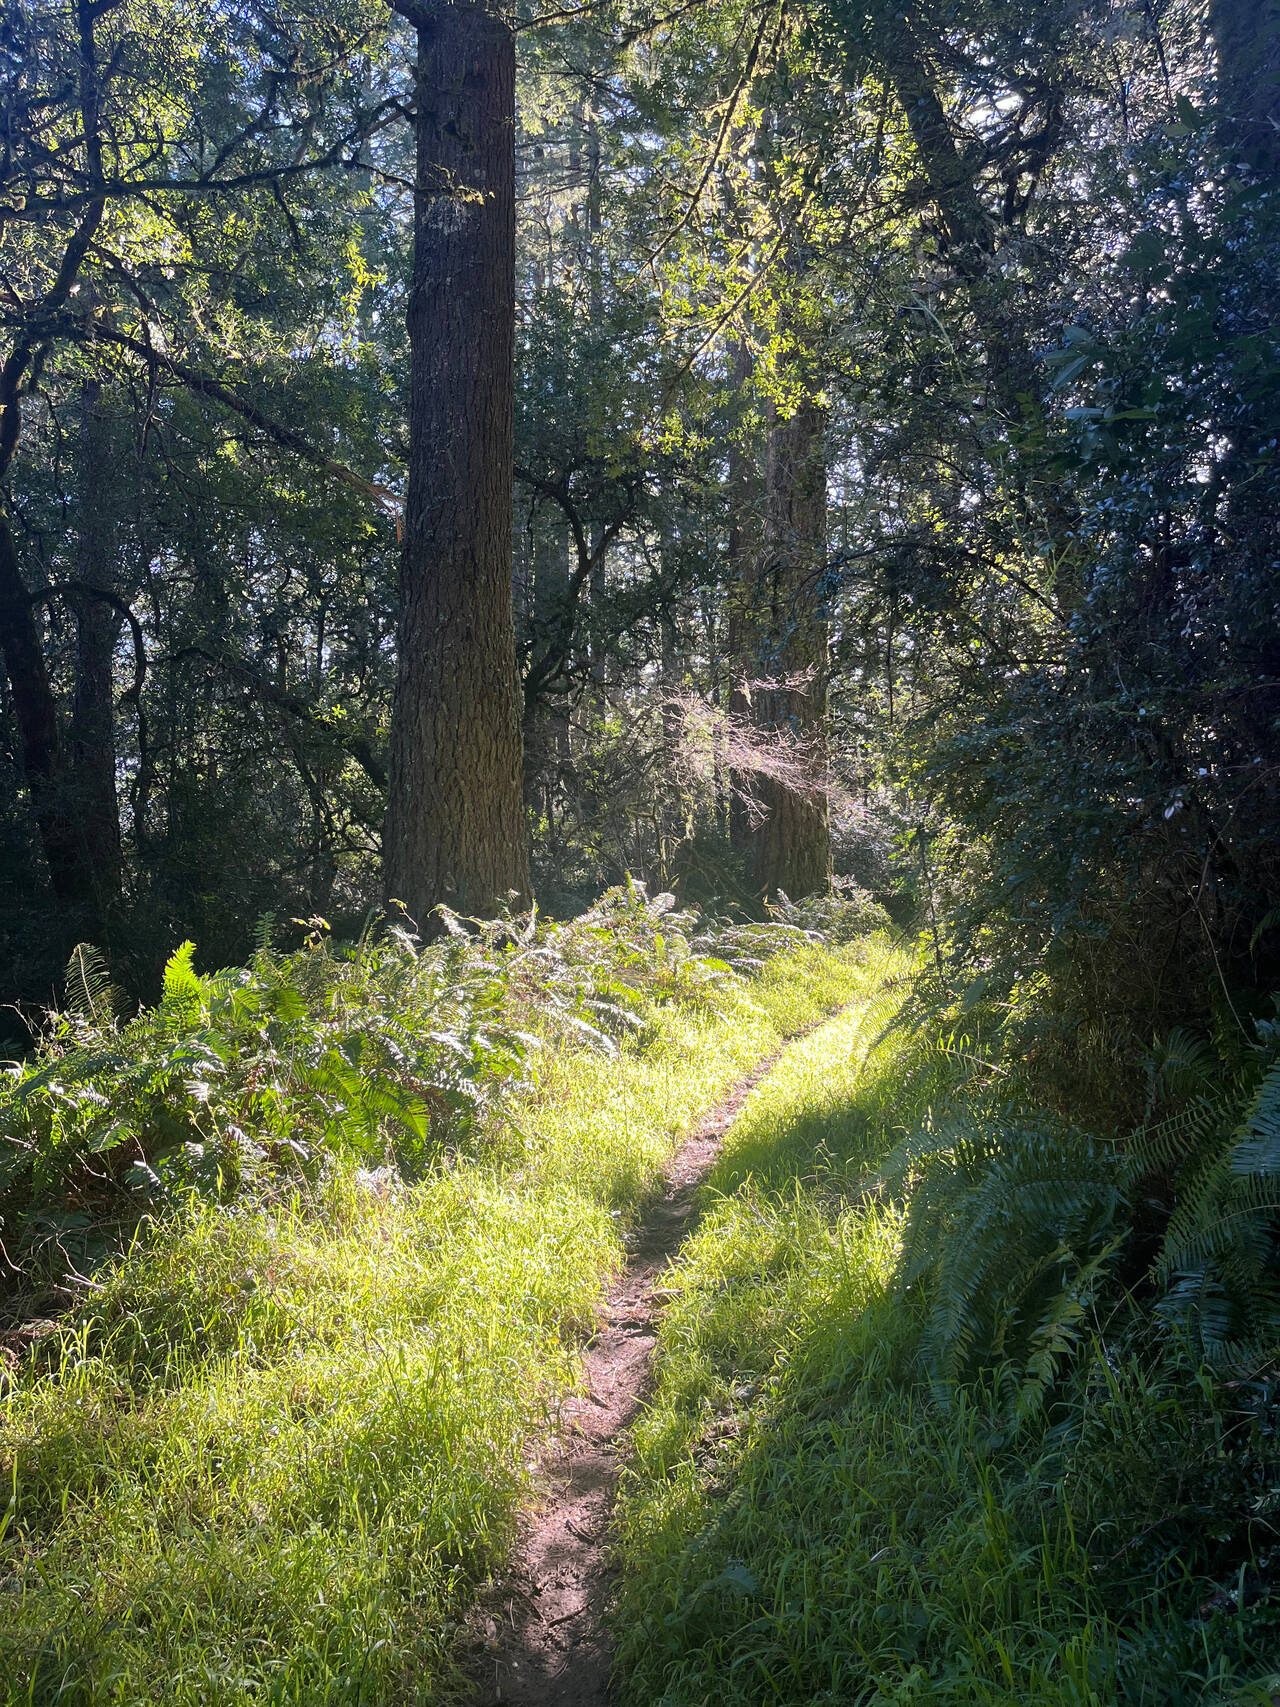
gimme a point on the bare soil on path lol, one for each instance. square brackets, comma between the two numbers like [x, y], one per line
[546, 1638]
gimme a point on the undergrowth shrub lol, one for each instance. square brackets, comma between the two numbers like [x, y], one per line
[1023, 1221]
[843, 914]
[1220, 1257]
[1013, 1221]
[387, 1052]
[1177, 1473]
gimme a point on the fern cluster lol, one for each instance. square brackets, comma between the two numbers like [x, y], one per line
[843, 914]
[1016, 1218]
[1011, 1222]
[235, 1075]
[387, 1052]
[1220, 1257]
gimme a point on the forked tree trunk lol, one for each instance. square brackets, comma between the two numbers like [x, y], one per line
[68, 856]
[455, 831]
[71, 784]
[970, 231]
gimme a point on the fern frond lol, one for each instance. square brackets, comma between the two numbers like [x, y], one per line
[1257, 1150]
[1220, 1258]
[182, 983]
[1181, 1139]
[90, 993]
[1010, 1222]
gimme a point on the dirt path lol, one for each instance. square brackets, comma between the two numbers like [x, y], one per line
[549, 1644]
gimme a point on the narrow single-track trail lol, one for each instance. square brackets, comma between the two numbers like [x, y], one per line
[547, 1640]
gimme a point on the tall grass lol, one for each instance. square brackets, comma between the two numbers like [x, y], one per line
[809, 1518]
[274, 1455]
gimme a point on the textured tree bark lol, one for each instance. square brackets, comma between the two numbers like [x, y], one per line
[791, 848]
[778, 647]
[597, 591]
[744, 554]
[455, 829]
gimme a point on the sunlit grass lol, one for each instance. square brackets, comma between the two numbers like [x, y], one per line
[275, 1457]
[806, 1521]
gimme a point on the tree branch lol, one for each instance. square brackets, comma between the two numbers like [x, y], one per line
[86, 590]
[276, 431]
[358, 746]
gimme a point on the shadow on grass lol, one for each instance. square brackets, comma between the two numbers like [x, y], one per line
[807, 1522]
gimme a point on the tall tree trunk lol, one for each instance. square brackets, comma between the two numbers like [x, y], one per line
[597, 591]
[36, 714]
[778, 647]
[455, 831]
[744, 562]
[792, 846]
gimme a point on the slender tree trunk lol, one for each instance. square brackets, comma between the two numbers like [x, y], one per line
[92, 745]
[455, 830]
[672, 816]
[597, 592]
[36, 713]
[545, 717]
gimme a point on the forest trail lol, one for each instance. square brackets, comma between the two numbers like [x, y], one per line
[545, 1629]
